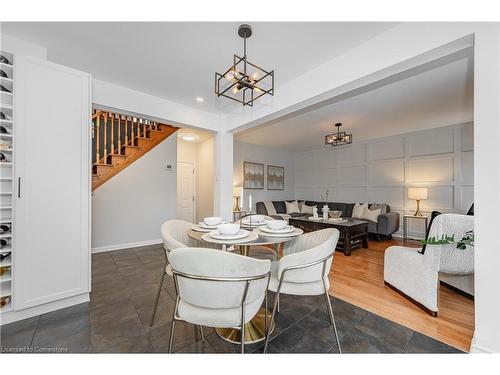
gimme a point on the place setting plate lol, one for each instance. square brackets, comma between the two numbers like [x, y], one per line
[242, 236]
[294, 233]
[287, 230]
[198, 228]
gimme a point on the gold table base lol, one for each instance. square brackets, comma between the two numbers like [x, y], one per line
[255, 330]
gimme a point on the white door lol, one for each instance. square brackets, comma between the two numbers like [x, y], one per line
[52, 210]
[185, 191]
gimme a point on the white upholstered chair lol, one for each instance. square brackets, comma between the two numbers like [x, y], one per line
[174, 235]
[304, 269]
[217, 289]
[417, 275]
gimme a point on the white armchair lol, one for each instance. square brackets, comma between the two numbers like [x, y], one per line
[304, 269]
[416, 275]
[217, 289]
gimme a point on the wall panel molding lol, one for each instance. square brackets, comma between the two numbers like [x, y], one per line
[381, 170]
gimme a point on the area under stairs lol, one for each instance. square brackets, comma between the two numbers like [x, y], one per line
[119, 140]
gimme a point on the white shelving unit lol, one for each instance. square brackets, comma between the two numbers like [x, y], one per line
[6, 180]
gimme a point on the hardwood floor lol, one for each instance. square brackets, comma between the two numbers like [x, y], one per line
[359, 280]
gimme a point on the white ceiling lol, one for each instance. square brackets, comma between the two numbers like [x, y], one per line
[438, 95]
[177, 61]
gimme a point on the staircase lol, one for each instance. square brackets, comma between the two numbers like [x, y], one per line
[119, 140]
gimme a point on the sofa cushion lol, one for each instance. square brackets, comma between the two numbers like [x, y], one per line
[280, 207]
[375, 206]
[372, 227]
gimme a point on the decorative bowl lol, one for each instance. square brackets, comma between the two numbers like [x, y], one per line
[335, 214]
[276, 224]
[228, 229]
[212, 220]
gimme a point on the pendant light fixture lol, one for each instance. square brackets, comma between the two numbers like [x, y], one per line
[339, 138]
[244, 81]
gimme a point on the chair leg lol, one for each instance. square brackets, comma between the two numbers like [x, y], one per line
[275, 306]
[202, 334]
[195, 332]
[330, 313]
[157, 297]
[172, 327]
[278, 306]
[243, 331]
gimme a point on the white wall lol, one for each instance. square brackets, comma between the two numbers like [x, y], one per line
[15, 45]
[129, 209]
[268, 156]
[205, 179]
[381, 170]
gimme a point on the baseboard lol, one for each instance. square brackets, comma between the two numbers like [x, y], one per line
[479, 349]
[14, 316]
[126, 246]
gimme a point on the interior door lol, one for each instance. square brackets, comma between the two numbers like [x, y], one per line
[185, 191]
[52, 210]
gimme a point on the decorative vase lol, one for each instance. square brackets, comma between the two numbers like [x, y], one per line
[325, 210]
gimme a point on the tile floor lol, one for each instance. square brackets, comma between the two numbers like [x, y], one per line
[116, 320]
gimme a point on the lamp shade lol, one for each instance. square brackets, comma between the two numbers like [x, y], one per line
[237, 191]
[417, 193]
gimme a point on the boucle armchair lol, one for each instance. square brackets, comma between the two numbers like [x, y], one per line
[416, 275]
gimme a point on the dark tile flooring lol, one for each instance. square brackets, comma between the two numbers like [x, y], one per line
[116, 320]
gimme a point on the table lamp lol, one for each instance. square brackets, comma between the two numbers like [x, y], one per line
[236, 196]
[417, 193]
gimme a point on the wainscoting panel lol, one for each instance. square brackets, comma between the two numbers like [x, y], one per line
[387, 172]
[390, 148]
[431, 142]
[468, 168]
[430, 170]
[381, 170]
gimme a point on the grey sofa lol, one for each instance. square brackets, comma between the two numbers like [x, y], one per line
[386, 225]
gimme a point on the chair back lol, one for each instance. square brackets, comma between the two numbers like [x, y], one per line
[216, 279]
[174, 234]
[447, 258]
[309, 248]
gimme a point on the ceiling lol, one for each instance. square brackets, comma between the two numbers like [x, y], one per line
[436, 95]
[177, 61]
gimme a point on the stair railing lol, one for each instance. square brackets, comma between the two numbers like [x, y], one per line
[113, 131]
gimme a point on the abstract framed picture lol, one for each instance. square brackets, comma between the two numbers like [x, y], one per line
[275, 177]
[253, 175]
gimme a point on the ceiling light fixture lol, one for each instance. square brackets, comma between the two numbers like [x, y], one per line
[199, 99]
[188, 137]
[339, 138]
[243, 78]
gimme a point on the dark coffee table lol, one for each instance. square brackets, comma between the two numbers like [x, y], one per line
[353, 232]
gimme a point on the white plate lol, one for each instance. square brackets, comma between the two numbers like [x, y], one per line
[242, 233]
[202, 224]
[296, 232]
[197, 228]
[287, 229]
[253, 223]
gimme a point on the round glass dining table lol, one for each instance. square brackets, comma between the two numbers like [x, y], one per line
[255, 329]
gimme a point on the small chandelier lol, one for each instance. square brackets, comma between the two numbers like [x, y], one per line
[339, 138]
[244, 81]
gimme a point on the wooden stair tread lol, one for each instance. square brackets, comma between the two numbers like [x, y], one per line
[103, 165]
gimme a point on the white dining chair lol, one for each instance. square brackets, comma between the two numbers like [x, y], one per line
[304, 269]
[217, 289]
[175, 235]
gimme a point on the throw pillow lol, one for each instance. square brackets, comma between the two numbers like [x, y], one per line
[307, 209]
[357, 211]
[292, 207]
[383, 207]
[371, 215]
